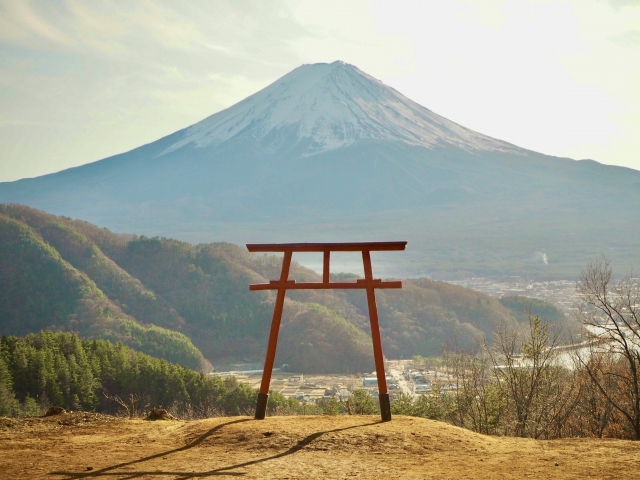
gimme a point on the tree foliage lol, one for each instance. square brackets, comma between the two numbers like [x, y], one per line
[523, 307]
[41, 289]
[44, 369]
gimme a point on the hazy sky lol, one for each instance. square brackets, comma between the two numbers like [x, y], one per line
[80, 81]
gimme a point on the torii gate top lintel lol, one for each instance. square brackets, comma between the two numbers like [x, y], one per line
[283, 284]
[322, 247]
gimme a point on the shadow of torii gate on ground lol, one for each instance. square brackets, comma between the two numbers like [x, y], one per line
[368, 283]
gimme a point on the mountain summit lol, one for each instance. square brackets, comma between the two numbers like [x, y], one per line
[329, 153]
[329, 106]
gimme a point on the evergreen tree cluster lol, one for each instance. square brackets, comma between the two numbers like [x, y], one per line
[47, 368]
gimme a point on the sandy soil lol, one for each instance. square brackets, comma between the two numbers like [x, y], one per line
[74, 446]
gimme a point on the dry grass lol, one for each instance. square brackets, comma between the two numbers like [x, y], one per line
[66, 446]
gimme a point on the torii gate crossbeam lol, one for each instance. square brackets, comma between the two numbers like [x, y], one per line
[368, 283]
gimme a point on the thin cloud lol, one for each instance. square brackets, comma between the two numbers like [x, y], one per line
[623, 3]
[22, 24]
[627, 39]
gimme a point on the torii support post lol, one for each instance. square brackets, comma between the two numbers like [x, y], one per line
[368, 283]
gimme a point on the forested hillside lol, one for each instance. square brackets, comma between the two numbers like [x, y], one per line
[185, 303]
[524, 306]
[41, 289]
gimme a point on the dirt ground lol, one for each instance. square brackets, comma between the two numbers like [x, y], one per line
[78, 446]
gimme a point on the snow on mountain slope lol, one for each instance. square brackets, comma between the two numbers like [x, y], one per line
[333, 105]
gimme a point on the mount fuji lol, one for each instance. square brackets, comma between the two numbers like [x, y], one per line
[329, 153]
[329, 106]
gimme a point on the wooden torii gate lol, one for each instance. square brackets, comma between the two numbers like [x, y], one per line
[368, 283]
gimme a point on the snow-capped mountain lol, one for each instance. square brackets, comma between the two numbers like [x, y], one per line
[329, 106]
[329, 153]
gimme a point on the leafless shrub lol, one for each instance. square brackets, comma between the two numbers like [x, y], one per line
[538, 391]
[130, 405]
[610, 313]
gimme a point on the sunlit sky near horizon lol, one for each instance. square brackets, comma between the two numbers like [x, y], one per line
[84, 80]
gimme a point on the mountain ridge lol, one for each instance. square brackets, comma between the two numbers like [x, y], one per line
[186, 303]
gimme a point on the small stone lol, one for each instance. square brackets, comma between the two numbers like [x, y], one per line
[557, 464]
[89, 468]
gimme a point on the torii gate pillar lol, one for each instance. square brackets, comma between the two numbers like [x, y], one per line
[368, 283]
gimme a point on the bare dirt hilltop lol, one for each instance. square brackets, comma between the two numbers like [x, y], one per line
[80, 445]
